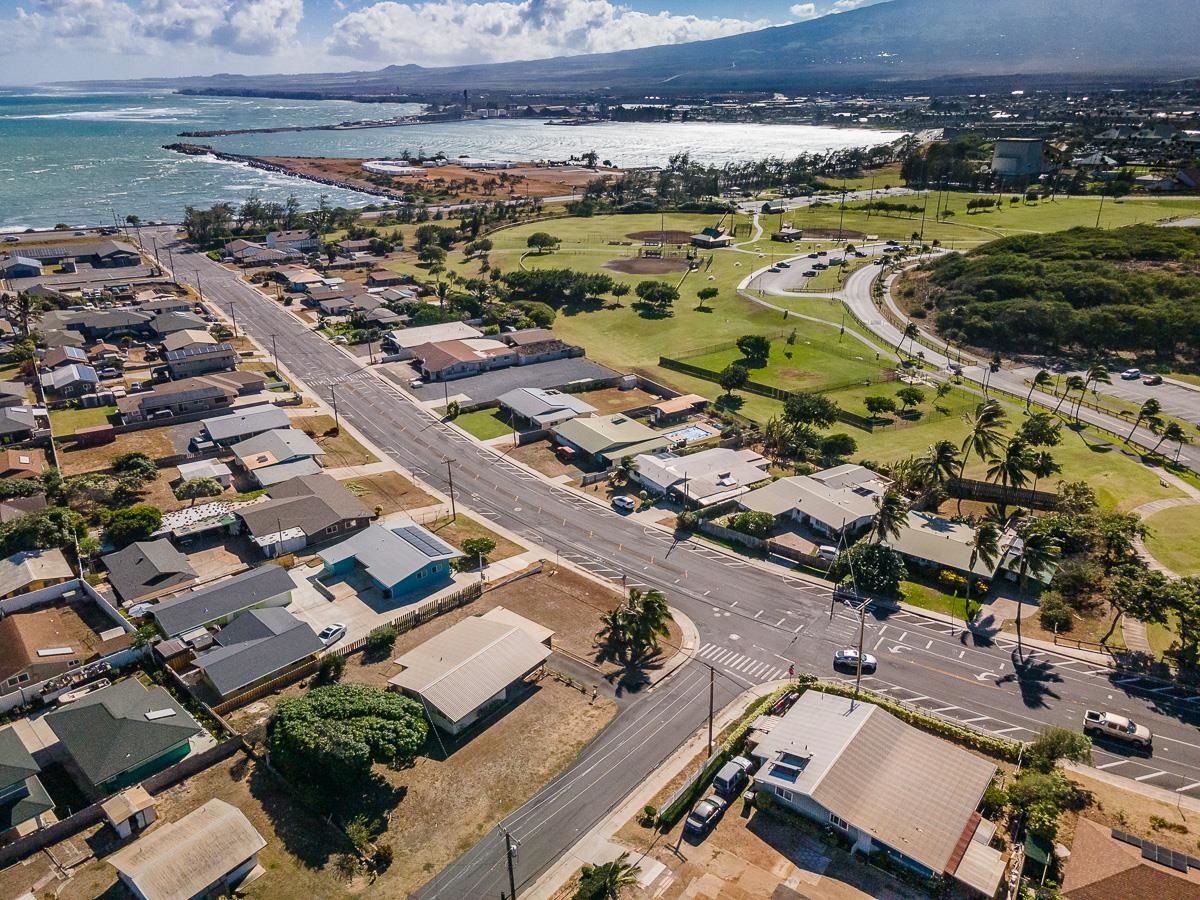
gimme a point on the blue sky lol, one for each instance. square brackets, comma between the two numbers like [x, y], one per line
[46, 40]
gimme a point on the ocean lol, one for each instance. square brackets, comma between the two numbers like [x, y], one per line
[83, 159]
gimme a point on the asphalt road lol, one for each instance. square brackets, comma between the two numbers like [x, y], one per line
[753, 622]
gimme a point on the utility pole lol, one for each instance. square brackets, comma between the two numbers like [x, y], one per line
[275, 355]
[711, 677]
[200, 286]
[450, 478]
[232, 315]
[862, 627]
[333, 399]
[510, 852]
[1101, 209]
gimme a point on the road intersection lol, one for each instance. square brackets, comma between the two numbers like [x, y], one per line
[754, 619]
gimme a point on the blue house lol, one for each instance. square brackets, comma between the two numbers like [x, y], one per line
[400, 560]
[20, 267]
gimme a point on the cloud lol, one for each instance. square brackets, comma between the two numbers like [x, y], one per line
[157, 26]
[802, 11]
[457, 31]
[842, 6]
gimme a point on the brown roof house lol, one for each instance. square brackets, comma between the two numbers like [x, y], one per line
[1107, 864]
[303, 511]
[35, 646]
[22, 463]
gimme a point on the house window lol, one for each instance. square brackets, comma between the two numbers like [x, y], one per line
[839, 822]
[785, 794]
[332, 529]
[12, 682]
[72, 664]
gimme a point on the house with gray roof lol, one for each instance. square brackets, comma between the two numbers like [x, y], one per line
[121, 734]
[830, 502]
[255, 647]
[607, 439]
[400, 559]
[473, 668]
[17, 423]
[542, 407]
[278, 455]
[20, 267]
[58, 357]
[168, 323]
[238, 426]
[24, 802]
[310, 509]
[884, 785]
[32, 570]
[200, 359]
[70, 381]
[702, 479]
[146, 570]
[13, 393]
[221, 601]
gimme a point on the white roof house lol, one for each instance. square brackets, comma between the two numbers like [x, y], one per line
[407, 338]
[545, 407]
[931, 540]
[844, 497]
[708, 477]
[212, 846]
[884, 784]
[462, 673]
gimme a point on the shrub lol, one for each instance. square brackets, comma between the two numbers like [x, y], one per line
[383, 638]
[755, 524]
[1055, 612]
[687, 521]
[331, 667]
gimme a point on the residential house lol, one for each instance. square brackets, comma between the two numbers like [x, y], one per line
[201, 359]
[106, 324]
[201, 394]
[70, 381]
[222, 601]
[702, 479]
[24, 804]
[20, 267]
[383, 316]
[1189, 178]
[886, 786]
[157, 304]
[129, 811]
[32, 570]
[447, 360]
[15, 507]
[396, 295]
[25, 463]
[248, 253]
[541, 407]
[187, 337]
[300, 278]
[473, 667]
[607, 439]
[17, 423]
[227, 430]
[276, 456]
[121, 734]
[385, 278]
[400, 559]
[298, 241]
[13, 393]
[147, 570]
[302, 512]
[36, 645]
[210, 852]
[105, 354]
[407, 338]
[335, 306]
[677, 409]
[255, 647]
[63, 356]
[168, 323]
[206, 468]
[1108, 864]
[317, 294]
[931, 542]
[843, 499]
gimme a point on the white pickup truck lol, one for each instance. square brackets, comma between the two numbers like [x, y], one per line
[1117, 727]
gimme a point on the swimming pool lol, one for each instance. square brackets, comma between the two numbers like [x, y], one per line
[689, 433]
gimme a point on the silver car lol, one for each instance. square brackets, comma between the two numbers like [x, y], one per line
[848, 659]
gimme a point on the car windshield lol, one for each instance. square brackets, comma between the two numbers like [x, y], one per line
[1131, 727]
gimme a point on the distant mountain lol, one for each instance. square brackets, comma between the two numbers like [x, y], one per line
[895, 42]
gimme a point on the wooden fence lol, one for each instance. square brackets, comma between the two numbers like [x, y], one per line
[986, 491]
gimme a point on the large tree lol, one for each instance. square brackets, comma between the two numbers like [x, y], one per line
[810, 408]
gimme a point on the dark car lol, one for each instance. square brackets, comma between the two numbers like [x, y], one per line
[704, 815]
[1152, 380]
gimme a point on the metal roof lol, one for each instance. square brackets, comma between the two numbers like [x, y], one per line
[245, 424]
[224, 598]
[278, 445]
[831, 506]
[390, 555]
[268, 476]
[470, 662]
[255, 645]
[184, 859]
[544, 406]
[608, 435]
[936, 540]
[913, 792]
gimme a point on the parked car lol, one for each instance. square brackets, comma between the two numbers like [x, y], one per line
[1131, 374]
[1152, 380]
[810, 273]
[812, 256]
[624, 503]
[847, 658]
[11, 239]
[1111, 725]
[109, 373]
[564, 453]
[331, 634]
[705, 815]
[827, 552]
[784, 265]
[775, 269]
[732, 776]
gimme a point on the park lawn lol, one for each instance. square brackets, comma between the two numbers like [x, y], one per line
[484, 424]
[934, 599]
[932, 412]
[68, 421]
[1174, 539]
[810, 363]
[1162, 638]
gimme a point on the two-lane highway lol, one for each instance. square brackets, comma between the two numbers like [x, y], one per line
[753, 621]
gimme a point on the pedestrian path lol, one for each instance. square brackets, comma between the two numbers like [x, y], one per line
[742, 665]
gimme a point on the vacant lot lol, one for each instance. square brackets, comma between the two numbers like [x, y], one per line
[463, 528]
[339, 447]
[154, 442]
[389, 491]
[68, 421]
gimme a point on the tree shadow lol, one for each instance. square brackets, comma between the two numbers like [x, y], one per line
[300, 829]
[1033, 677]
[731, 402]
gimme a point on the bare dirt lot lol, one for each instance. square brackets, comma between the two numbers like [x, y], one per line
[646, 265]
[389, 491]
[615, 400]
[154, 442]
[339, 447]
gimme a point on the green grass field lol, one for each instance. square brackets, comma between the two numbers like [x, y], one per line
[808, 364]
[935, 600]
[1174, 539]
[484, 424]
[68, 421]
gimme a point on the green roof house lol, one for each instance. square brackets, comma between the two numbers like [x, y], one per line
[23, 800]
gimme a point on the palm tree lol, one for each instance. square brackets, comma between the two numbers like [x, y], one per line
[1150, 410]
[985, 547]
[606, 882]
[1073, 383]
[890, 516]
[986, 426]
[1011, 469]
[910, 334]
[1038, 551]
[1172, 431]
[650, 614]
[1042, 465]
[615, 632]
[1040, 380]
[626, 469]
[938, 465]
[1096, 374]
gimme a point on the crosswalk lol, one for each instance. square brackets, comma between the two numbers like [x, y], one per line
[740, 663]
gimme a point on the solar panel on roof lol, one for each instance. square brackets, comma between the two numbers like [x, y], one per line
[1126, 838]
[1165, 857]
[425, 543]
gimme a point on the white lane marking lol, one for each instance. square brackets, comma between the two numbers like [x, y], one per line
[1149, 776]
[1187, 787]
[943, 709]
[976, 719]
[1007, 730]
[1119, 762]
